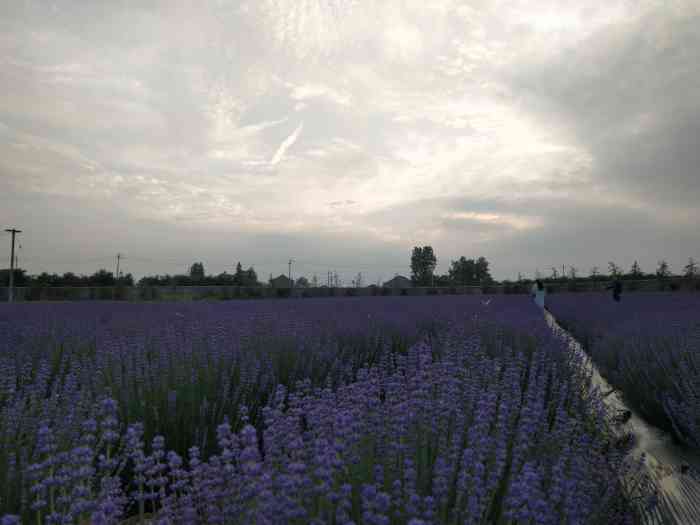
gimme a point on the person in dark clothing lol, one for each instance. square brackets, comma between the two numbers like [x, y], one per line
[616, 288]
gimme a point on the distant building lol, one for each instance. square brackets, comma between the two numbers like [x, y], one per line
[280, 282]
[398, 282]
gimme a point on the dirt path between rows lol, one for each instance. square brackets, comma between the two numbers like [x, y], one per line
[674, 469]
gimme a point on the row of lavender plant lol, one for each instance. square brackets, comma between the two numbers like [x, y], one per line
[648, 347]
[51, 406]
[184, 366]
[179, 368]
[466, 438]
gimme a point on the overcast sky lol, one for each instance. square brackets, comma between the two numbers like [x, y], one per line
[342, 133]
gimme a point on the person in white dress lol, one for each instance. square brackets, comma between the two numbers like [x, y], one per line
[538, 293]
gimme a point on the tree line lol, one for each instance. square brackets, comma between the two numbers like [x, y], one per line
[663, 271]
[198, 277]
[462, 272]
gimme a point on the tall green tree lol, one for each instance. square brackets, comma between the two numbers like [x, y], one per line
[238, 277]
[614, 270]
[197, 271]
[250, 278]
[636, 271]
[462, 271]
[423, 262]
[481, 271]
[663, 271]
[690, 270]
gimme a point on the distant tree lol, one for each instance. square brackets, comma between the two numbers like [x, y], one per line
[662, 270]
[102, 278]
[573, 272]
[481, 271]
[18, 276]
[614, 270]
[690, 270]
[197, 272]
[358, 280]
[314, 281]
[635, 271]
[555, 273]
[442, 280]
[238, 276]
[43, 279]
[463, 271]
[223, 279]
[520, 277]
[127, 280]
[423, 262]
[70, 279]
[183, 280]
[302, 282]
[250, 278]
[335, 280]
[594, 272]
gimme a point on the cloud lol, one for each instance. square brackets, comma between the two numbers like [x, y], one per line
[340, 204]
[629, 95]
[288, 142]
[310, 91]
[526, 131]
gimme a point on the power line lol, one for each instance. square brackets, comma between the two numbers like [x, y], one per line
[81, 261]
[173, 262]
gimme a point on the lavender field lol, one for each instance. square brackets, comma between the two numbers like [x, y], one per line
[648, 347]
[397, 410]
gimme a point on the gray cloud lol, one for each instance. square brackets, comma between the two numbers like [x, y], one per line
[631, 95]
[532, 134]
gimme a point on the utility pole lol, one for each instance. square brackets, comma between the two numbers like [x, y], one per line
[13, 231]
[119, 256]
[290, 272]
